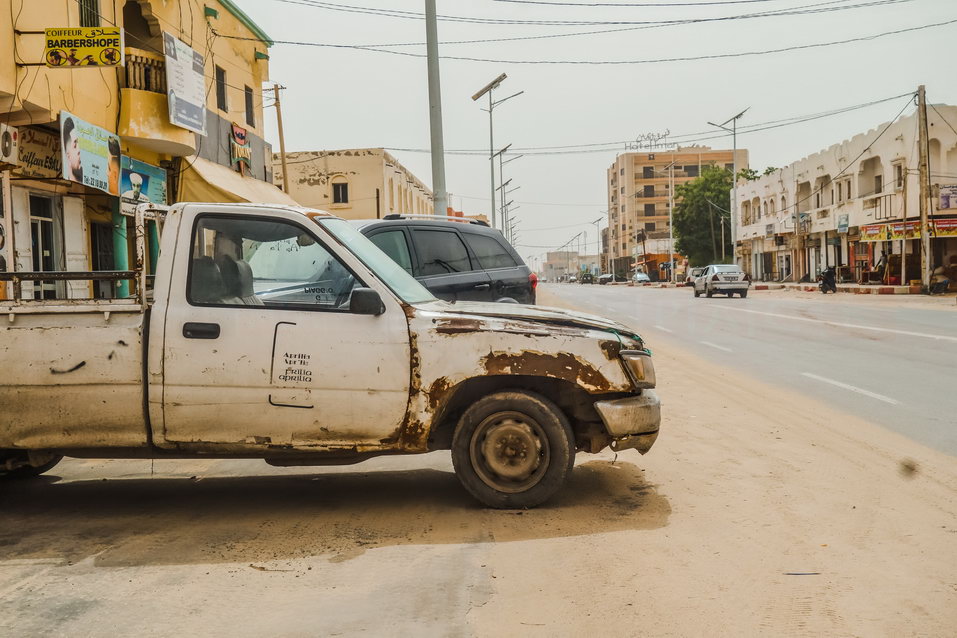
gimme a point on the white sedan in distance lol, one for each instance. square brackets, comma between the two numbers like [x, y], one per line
[722, 279]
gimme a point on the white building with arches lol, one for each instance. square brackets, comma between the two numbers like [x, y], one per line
[364, 183]
[854, 205]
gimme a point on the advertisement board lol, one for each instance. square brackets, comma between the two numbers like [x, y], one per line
[38, 154]
[945, 227]
[185, 85]
[83, 47]
[90, 155]
[842, 223]
[902, 230]
[140, 183]
[874, 232]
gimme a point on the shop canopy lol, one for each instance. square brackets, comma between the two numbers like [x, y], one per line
[205, 181]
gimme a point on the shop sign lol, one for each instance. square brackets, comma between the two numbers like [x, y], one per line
[874, 232]
[843, 223]
[185, 85]
[945, 227]
[240, 152]
[38, 154]
[140, 183]
[902, 230]
[83, 47]
[90, 154]
[948, 197]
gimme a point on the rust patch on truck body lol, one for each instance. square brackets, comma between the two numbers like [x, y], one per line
[561, 365]
[458, 326]
[612, 349]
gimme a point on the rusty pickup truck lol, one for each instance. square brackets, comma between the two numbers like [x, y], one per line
[283, 334]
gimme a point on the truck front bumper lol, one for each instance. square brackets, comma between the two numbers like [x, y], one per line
[633, 422]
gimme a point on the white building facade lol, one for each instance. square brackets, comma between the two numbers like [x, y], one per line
[855, 206]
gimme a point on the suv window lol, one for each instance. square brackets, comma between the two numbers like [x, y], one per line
[394, 244]
[441, 252]
[490, 253]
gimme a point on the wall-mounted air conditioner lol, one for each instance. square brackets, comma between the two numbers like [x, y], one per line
[8, 146]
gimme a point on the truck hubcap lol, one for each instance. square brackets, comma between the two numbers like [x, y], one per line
[509, 452]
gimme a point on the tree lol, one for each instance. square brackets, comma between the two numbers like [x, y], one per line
[700, 207]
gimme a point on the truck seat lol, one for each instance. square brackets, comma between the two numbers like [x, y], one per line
[238, 278]
[206, 282]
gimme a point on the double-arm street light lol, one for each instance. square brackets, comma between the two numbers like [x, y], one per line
[488, 88]
[734, 184]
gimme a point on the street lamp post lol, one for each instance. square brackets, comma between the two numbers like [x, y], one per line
[440, 200]
[488, 88]
[734, 183]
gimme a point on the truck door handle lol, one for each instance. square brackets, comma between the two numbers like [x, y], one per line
[481, 286]
[193, 330]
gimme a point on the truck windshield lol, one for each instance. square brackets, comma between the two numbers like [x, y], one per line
[390, 273]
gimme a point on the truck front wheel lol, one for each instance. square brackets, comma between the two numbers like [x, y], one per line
[17, 464]
[513, 450]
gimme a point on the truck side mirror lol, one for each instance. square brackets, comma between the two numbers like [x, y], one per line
[366, 301]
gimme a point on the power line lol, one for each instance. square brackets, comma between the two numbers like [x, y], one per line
[634, 4]
[717, 56]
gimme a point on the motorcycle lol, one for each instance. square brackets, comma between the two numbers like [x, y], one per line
[827, 281]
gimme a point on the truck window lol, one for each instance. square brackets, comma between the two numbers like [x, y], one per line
[394, 244]
[257, 262]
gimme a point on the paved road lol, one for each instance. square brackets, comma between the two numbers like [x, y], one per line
[888, 361]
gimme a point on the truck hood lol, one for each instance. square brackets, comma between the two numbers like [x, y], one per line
[541, 314]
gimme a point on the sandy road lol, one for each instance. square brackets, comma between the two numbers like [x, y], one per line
[757, 513]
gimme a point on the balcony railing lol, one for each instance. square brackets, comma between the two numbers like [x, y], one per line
[643, 195]
[145, 71]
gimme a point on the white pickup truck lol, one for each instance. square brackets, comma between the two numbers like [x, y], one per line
[283, 334]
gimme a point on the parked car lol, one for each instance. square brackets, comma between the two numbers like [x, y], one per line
[454, 260]
[640, 277]
[284, 334]
[608, 278]
[693, 274]
[586, 278]
[722, 279]
[572, 279]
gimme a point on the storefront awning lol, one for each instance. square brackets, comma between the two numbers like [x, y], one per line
[206, 181]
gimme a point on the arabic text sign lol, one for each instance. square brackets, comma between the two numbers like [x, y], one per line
[945, 228]
[140, 183]
[185, 85]
[39, 153]
[83, 47]
[948, 197]
[90, 154]
[874, 232]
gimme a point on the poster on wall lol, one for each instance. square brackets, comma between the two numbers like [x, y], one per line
[38, 154]
[185, 85]
[83, 47]
[945, 227]
[140, 183]
[90, 154]
[948, 197]
[240, 152]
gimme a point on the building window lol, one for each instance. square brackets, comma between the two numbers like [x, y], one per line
[648, 172]
[649, 210]
[817, 199]
[340, 193]
[221, 89]
[622, 208]
[878, 183]
[692, 171]
[621, 172]
[649, 190]
[622, 190]
[729, 167]
[649, 225]
[250, 114]
[898, 176]
[89, 13]
[848, 183]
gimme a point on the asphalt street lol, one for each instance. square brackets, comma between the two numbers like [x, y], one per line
[891, 361]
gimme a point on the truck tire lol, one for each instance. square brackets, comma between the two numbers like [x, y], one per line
[25, 471]
[707, 292]
[744, 293]
[513, 449]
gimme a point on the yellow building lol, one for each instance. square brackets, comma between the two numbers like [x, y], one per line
[63, 211]
[363, 183]
[639, 196]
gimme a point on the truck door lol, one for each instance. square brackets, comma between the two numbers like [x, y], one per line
[261, 350]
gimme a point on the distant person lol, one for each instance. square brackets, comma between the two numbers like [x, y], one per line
[71, 151]
[881, 263]
[939, 282]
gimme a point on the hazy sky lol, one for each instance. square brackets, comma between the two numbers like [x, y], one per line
[351, 98]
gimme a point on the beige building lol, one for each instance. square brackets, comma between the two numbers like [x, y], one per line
[639, 194]
[364, 183]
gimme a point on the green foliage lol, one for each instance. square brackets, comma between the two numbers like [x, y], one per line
[700, 206]
[770, 169]
[749, 174]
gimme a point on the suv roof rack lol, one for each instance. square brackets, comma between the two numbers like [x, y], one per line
[435, 218]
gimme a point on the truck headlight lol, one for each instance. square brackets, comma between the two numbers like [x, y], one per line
[640, 368]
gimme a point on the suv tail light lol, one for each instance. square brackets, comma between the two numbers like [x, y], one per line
[715, 277]
[533, 280]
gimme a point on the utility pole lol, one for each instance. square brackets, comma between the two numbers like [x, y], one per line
[924, 170]
[282, 138]
[671, 221]
[734, 178]
[440, 199]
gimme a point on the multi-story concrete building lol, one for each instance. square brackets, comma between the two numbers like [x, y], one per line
[639, 194]
[364, 183]
[854, 205]
[87, 138]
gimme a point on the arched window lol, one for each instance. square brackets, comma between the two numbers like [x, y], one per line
[340, 190]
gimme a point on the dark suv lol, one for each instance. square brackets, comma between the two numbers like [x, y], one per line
[455, 260]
